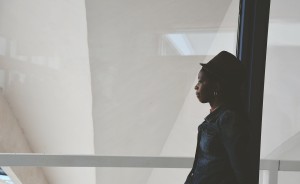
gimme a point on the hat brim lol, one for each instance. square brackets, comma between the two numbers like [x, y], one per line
[204, 66]
[207, 69]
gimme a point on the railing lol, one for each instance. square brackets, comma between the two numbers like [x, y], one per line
[270, 167]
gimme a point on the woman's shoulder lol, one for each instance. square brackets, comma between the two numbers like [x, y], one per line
[229, 113]
[231, 116]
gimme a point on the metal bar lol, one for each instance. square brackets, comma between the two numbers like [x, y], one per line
[93, 161]
[271, 165]
[289, 165]
[42, 160]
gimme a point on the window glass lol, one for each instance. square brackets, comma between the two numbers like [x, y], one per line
[108, 78]
[281, 118]
[144, 63]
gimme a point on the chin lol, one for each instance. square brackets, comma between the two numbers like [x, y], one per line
[202, 100]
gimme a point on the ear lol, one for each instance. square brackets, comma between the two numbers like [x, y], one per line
[218, 87]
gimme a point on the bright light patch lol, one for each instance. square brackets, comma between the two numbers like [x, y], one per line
[205, 42]
[5, 179]
[181, 43]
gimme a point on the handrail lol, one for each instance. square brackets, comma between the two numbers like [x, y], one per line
[47, 160]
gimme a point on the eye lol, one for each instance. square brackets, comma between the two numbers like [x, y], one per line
[200, 81]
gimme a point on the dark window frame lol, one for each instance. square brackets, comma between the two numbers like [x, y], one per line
[251, 50]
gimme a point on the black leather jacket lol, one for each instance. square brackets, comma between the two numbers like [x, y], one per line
[222, 149]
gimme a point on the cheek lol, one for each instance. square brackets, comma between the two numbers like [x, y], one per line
[205, 93]
[203, 90]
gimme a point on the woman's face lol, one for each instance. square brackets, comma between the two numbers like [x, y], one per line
[204, 88]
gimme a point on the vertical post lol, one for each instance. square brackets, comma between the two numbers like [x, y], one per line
[270, 177]
[251, 50]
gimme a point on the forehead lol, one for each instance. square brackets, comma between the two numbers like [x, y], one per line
[202, 75]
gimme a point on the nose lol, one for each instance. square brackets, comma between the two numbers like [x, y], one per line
[196, 87]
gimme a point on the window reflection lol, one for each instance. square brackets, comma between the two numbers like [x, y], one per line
[198, 43]
[4, 178]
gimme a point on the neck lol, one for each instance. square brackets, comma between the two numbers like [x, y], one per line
[214, 104]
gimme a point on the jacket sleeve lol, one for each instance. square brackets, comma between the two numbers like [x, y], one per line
[235, 138]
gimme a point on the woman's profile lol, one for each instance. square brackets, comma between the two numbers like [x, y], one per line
[221, 154]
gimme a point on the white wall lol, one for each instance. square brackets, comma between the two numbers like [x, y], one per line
[142, 85]
[45, 77]
[281, 98]
[281, 117]
[141, 81]
[182, 139]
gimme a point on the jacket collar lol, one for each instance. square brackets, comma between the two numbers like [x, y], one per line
[214, 114]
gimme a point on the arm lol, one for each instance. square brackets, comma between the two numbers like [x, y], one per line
[235, 139]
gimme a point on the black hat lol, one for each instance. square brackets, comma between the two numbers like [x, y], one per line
[226, 68]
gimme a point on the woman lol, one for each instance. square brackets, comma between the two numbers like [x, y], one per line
[221, 155]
